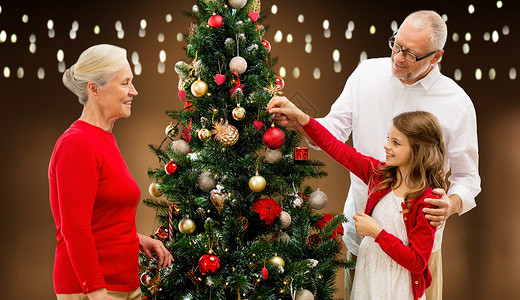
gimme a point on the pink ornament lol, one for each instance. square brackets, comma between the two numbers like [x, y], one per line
[258, 125]
[219, 79]
[215, 21]
[273, 138]
[182, 95]
[253, 16]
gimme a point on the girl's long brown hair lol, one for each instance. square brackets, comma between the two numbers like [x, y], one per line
[428, 154]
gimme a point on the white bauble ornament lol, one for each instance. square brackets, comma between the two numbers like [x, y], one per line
[304, 295]
[297, 202]
[238, 4]
[207, 182]
[285, 219]
[318, 199]
[273, 156]
[180, 147]
[238, 64]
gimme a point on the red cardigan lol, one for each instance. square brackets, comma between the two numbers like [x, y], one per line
[421, 234]
[93, 199]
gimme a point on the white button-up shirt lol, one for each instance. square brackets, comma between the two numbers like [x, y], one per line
[372, 97]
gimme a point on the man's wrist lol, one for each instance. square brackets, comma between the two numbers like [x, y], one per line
[456, 204]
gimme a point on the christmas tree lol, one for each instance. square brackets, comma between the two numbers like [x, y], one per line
[229, 191]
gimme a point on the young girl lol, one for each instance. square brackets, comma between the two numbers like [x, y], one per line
[398, 240]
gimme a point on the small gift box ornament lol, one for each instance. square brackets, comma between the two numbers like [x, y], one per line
[301, 153]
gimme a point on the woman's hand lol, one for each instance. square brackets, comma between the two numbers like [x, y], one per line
[148, 245]
[100, 294]
[286, 113]
[366, 225]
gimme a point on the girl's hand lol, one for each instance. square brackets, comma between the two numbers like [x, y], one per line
[286, 113]
[366, 225]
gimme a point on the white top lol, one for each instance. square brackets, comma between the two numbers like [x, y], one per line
[377, 275]
[372, 97]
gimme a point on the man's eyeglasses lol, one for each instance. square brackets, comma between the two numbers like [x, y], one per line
[406, 54]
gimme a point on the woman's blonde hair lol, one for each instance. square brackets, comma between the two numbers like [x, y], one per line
[428, 155]
[96, 64]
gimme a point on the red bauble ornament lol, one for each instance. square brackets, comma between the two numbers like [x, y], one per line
[170, 167]
[273, 138]
[258, 125]
[182, 95]
[279, 82]
[266, 45]
[209, 264]
[219, 79]
[215, 21]
[253, 16]
[265, 273]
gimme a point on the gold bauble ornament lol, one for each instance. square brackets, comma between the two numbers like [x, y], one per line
[304, 295]
[199, 88]
[277, 260]
[225, 133]
[238, 64]
[154, 189]
[239, 113]
[237, 4]
[257, 183]
[203, 134]
[254, 6]
[186, 225]
[170, 130]
[285, 219]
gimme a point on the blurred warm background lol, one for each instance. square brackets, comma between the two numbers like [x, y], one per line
[318, 43]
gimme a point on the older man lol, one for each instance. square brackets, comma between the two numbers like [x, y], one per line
[409, 80]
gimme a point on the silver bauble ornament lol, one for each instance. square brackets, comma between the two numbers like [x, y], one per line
[318, 199]
[179, 66]
[283, 237]
[186, 225]
[237, 4]
[180, 147]
[207, 182]
[297, 202]
[238, 64]
[285, 219]
[273, 156]
[304, 295]
[257, 183]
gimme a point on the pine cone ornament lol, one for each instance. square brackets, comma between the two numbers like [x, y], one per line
[314, 241]
[225, 133]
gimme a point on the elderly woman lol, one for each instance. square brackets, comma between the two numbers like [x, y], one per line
[93, 196]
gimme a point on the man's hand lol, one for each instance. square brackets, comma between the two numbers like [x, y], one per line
[366, 225]
[445, 207]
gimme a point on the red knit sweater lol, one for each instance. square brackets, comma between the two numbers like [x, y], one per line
[421, 234]
[93, 199]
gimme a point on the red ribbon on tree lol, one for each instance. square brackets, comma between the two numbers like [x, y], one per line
[238, 87]
[268, 209]
[326, 219]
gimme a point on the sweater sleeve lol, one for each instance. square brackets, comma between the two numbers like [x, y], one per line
[360, 165]
[77, 175]
[421, 237]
